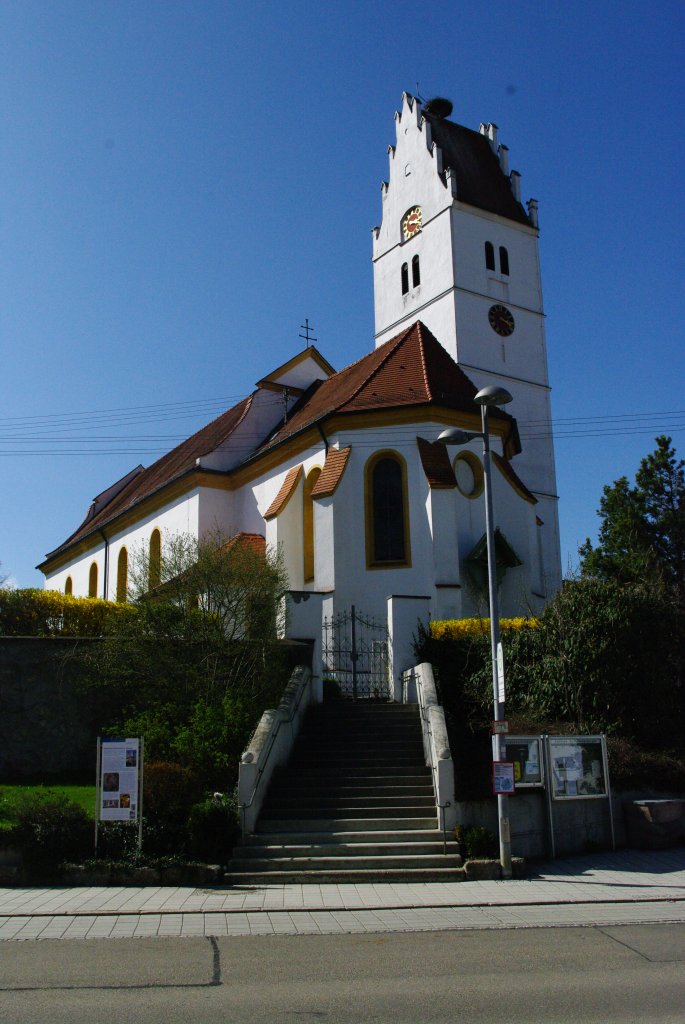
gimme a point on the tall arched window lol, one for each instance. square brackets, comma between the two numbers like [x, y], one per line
[387, 511]
[154, 571]
[489, 256]
[405, 278]
[308, 524]
[68, 585]
[415, 272]
[122, 575]
[93, 580]
[503, 261]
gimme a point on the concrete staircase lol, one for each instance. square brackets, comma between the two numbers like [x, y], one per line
[355, 804]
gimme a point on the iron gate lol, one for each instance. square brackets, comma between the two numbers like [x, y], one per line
[355, 656]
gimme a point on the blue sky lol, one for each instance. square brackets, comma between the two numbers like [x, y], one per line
[183, 183]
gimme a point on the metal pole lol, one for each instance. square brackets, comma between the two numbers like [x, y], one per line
[97, 792]
[498, 740]
[141, 769]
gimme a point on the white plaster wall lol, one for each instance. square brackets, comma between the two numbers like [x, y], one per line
[79, 570]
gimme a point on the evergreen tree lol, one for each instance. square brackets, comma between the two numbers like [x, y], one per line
[642, 532]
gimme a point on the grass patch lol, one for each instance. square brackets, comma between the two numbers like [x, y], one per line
[11, 796]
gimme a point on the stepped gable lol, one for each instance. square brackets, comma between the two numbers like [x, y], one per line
[170, 467]
[410, 370]
[480, 179]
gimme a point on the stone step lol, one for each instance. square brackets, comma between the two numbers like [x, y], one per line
[360, 763]
[436, 848]
[349, 824]
[318, 801]
[313, 787]
[361, 863]
[448, 874]
[399, 836]
[343, 810]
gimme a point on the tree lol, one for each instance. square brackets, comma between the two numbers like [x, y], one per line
[195, 663]
[642, 532]
[3, 577]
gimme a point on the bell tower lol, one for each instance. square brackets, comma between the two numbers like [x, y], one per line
[457, 249]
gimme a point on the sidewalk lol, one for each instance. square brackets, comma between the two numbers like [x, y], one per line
[599, 889]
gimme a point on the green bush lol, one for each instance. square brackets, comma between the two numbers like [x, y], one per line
[169, 792]
[51, 830]
[479, 842]
[213, 829]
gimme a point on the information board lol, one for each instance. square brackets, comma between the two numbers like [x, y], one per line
[118, 782]
[503, 778]
[526, 754]
[577, 767]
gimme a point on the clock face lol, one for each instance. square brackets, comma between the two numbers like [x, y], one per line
[501, 320]
[411, 223]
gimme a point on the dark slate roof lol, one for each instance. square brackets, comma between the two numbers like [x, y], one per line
[480, 180]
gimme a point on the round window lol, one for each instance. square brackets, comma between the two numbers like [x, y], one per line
[468, 470]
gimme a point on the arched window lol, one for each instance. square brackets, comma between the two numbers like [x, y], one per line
[405, 278]
[68, 585]
[308, 524]
[122, 575]
[415, 272]
[503, 260]
[154, 570]
[387, 511]
[489, 256]
[93, 580]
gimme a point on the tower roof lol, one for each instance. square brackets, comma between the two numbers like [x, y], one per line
[480, 179]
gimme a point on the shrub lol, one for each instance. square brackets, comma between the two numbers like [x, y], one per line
[476, 841]
[51, 829]
[213, 829]
[460, 629]
[169, 792]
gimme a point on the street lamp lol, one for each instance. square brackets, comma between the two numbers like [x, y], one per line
[491, 396]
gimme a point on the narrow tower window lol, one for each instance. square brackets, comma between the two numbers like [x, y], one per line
[489, 256]
[415, 272]
[122, 576]
[93, 580]
[503, 260]
[69, 586]
[405, 278]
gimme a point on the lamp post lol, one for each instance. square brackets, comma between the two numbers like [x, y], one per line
[491, 396]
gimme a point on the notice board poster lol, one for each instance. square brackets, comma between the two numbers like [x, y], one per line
[577, 767]
[525, 753]
[118, 783]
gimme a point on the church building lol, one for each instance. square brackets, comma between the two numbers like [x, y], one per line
[342, 471]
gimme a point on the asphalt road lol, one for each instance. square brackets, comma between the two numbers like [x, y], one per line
[597, 974]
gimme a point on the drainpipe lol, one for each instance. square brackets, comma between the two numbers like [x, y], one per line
[321, 431]
[106, 568]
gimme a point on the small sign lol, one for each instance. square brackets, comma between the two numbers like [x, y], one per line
[503, 778]
[500, 727]
[118, 781]
[500, 673]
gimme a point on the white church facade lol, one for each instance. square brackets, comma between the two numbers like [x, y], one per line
[342, 471]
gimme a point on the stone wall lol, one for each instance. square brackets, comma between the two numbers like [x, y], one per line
[46, 727]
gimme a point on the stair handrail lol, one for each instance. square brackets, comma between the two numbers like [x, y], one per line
[436, 744]
[257, 763]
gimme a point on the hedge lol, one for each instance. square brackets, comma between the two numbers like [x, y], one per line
[34, 612]
[460, 629]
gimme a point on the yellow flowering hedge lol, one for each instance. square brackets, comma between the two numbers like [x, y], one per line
[34, 612]
[462, 629]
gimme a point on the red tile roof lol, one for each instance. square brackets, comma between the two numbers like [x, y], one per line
[252, 541]
[412, 369]
[436, 463]
[292, 479]
[331, 474]
[171, 466]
